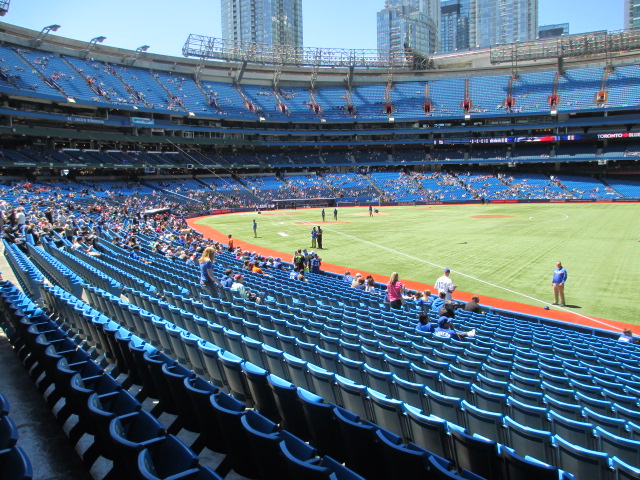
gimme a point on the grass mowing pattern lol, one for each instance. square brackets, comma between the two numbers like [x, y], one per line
[509, 252]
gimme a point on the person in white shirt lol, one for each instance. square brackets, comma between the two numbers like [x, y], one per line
[445, 284]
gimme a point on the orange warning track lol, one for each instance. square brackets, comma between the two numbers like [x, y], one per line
[565, 316]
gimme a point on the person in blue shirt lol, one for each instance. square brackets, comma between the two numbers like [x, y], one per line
[255, 229]
[227, 279]
[424, 326]
[323, 214]
[438, 302]
[559, 279]
[445, 329]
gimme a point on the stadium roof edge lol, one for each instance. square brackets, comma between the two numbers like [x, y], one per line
[449, 66]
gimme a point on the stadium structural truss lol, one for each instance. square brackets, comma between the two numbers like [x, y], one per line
[580, 45]
[211, 48]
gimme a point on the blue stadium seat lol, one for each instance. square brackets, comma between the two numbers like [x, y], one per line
[429, 432]
[15, 465]
[476, 454]
[323, 427]
[578, 433]
[624, 471]
[389, 414]
[483, 422]
[625, 449]
[364, 452]
[380, 381]
[132, 433]
[445, 407]
[581, 462]
[526, 395]
[401, 460]
[489, 400]
[168, 458]
[529, 441]
[616, 426]
[527, 468]
[525, 414]
[289, 408]
[8, 432]
[568, 410]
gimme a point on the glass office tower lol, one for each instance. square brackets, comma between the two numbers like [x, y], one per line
[275, 22]
[454, 26]
[408, 24]
[466, 24]
[502, 21]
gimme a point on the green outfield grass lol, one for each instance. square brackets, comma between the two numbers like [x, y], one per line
[502, 251]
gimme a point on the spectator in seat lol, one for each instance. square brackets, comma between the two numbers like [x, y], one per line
[627, 336]
[446, 329]
[227, 278]
[474, 305]
[438, 302]
[423, 325]
[241, 290]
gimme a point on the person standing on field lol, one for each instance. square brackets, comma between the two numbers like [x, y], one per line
[255, 228]
[335, 214]
[323, 214]
[559, 279]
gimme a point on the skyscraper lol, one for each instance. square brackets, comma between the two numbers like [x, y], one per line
[481, 23]
[631, 13]
[274, 22]
[408, 24]
[454, 25]
[501, 21]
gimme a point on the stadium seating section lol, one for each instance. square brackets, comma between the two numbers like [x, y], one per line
[94, 82]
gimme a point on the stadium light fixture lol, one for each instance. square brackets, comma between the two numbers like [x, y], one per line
[43, 33]
[139, 51]
[93, 43]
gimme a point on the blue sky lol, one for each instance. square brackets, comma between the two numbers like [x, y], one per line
[165, 25]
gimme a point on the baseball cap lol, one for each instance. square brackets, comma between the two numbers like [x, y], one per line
[442, 321]
[238, 276]
[446, 270]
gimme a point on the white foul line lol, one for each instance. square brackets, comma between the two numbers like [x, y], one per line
[413, 257]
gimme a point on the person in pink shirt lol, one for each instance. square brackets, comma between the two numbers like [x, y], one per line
[395, 290]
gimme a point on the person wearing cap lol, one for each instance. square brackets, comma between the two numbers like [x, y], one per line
[354, 282]
[277, 264]
[347, 278]
[445, 329]
[445, 284]
[316, 263]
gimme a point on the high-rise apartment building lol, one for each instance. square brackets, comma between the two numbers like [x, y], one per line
[631, 13]
[408, 24]
[468, 24]
[274, 22]
[454, 26]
